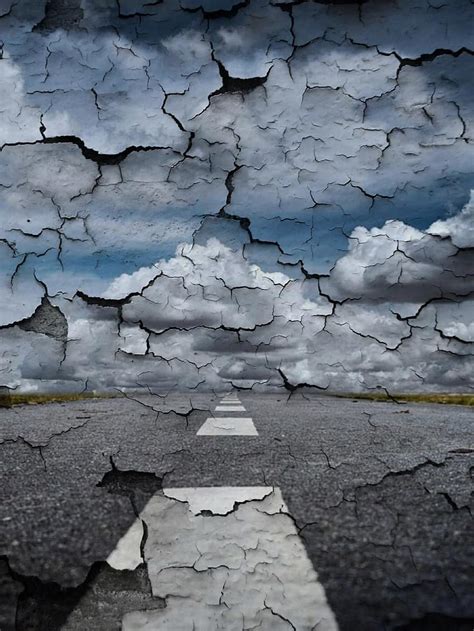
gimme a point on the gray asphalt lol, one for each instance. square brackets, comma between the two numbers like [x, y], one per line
[381, 493]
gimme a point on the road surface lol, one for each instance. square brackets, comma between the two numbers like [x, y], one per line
[251, 511]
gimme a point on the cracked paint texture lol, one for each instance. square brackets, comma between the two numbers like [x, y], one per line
[264, 194]
[225, 565]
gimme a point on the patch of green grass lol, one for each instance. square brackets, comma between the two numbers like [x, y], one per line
[435, 397]
[9, 400]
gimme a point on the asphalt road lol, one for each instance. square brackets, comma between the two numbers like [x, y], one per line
[380, 493]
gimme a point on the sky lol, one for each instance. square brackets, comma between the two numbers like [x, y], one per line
[196, 195]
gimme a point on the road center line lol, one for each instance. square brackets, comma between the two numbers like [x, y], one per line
[225, 558]
[219, 426]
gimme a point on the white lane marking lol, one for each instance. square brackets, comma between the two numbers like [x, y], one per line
[220, 500]
[226, 571]
[237, 426]
[127, 554]
[230, 408]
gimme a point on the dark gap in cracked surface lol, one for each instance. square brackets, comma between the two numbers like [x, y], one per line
[219, 13]
[106, 595]
[237, 84]
[438, 622]
[138, 486]
[48, 320]
[439, 52]
[89, 153]
[35, 605]
[341, 1]
[97, 156]
[337, 2]
[60, 14]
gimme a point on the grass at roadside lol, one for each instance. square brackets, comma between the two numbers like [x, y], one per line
[443, 398]
[9, 400]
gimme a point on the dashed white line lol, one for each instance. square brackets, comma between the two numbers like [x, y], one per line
[228, 426]
[223, 558]
[220, 426]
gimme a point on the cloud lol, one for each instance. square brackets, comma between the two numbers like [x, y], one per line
[401, 264]
[209, 315]
[17, 118]
[459, 228]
